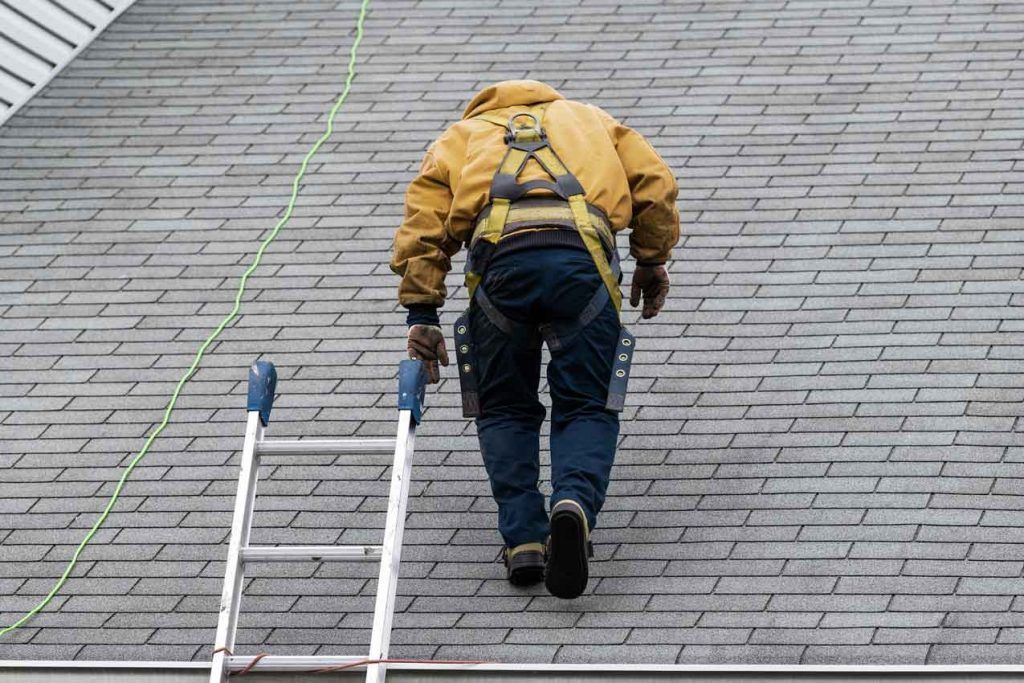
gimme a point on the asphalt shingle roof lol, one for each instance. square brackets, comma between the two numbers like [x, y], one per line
[821, 458]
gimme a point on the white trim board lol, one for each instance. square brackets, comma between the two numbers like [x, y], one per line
[198, 672]
[38, 38]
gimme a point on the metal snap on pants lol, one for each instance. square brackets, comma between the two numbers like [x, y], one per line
[534, 287]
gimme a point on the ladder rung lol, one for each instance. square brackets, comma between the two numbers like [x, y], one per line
[324, 446]
[291, 663]
[315, 553]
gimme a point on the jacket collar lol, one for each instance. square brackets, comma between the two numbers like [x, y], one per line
[510, 94]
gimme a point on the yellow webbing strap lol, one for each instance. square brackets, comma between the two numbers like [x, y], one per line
[592, 241]
[492, 228]
[538, 211]
[512, 162]
[551, 160]
[472, 280]
[496, 221]
[491, 232]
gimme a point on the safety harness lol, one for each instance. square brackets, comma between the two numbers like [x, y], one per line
[510, 211]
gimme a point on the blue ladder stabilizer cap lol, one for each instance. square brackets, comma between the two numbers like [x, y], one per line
[262, 383]
[412, 387]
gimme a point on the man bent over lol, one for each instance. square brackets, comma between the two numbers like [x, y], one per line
[536, 186]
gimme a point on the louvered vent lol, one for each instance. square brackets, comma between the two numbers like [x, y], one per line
[39, 37]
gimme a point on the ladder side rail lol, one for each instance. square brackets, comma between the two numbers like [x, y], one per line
[412, 386]
[259, 403]
[387, 581]
[241, 525]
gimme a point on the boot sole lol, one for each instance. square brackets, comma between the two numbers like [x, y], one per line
[526, 576]
[566, 572]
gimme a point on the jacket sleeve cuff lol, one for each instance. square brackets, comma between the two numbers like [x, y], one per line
[422, 314]
[650, 262]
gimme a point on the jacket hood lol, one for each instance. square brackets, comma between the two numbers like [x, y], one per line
[510, 94]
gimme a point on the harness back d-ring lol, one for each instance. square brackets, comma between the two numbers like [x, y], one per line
[514, 131]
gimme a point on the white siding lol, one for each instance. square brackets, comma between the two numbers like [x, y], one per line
[38, 38]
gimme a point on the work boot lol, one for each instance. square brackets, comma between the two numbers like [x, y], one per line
[525, 563]
[565, 574]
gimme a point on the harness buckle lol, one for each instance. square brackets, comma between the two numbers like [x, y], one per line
[524, 133]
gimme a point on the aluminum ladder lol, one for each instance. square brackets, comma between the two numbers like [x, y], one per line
[262, 383]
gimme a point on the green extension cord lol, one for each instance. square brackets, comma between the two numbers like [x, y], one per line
[213, 335]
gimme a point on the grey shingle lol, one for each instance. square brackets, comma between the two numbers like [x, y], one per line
[819, 461]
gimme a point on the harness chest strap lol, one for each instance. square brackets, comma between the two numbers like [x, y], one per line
[535, 212]
[592, 242]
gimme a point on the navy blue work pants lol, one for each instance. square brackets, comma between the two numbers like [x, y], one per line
[531, 287]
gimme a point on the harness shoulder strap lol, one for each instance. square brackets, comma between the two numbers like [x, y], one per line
[524, 144]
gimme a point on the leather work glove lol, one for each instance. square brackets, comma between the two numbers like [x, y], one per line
[426, 343]
[652, 282]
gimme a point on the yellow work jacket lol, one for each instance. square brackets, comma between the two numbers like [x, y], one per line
[619, 170]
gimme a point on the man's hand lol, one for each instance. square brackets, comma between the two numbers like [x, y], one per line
[426, 343]
[652, 282]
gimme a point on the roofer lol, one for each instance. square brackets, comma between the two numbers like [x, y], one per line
[535, 186]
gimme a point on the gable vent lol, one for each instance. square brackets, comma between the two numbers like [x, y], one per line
[38, 38]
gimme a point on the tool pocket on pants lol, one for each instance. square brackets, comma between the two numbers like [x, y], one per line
[465, 356]
[619, 380]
